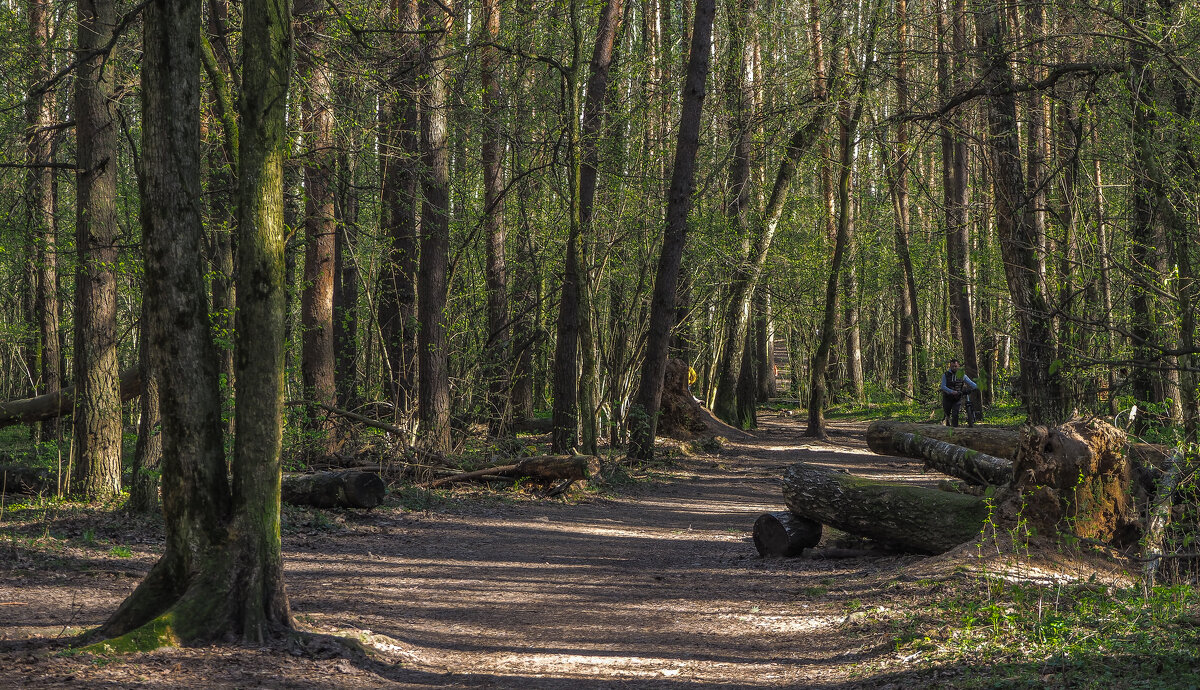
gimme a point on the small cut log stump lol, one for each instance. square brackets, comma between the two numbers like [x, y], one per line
[969, 465]
[341, 489]
[911, 518]
[784, 534]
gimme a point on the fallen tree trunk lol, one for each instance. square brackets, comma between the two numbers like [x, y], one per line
[60, 403]
[1000, 442]
[784, 534]
[345, 489]
[969, 465]
[15, 479]
[909, 517]
[542, 467]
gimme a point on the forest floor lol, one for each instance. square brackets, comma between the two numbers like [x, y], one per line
[655, 583]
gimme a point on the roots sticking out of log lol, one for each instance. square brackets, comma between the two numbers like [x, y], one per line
[1073, 478]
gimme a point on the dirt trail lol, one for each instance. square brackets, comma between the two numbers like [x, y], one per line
[659, 588]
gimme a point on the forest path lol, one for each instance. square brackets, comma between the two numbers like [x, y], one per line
[659, 587]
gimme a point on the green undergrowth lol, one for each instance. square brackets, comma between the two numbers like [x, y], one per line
[997, 634]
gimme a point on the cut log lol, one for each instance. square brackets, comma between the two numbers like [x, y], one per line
[784, 534]
[15, 479]
[60, 403]
[968, 465]
[911, 518]
[541, 467]
[346, 489]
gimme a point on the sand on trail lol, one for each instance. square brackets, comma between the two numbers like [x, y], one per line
[660, 587]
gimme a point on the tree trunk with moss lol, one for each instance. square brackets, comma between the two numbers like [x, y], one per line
[910, 517]
[221, 574]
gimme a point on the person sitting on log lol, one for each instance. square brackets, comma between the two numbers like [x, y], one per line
[955, 383]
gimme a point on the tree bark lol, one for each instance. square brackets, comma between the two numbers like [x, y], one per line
[969, 465]
[98, 415]
[320, 224]
[433, 404]
[1041, 391]
[497, 356]
[39, 187]
[909, 517]
[147, 456]
[679, 202]
[400, 198]
[221, 572]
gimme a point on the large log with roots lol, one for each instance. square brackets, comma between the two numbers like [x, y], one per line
[1073, 478]
[60, 403]
[344, 489]
[912, 518]
[969, 465]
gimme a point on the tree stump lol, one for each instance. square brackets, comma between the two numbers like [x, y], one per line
[784, 534]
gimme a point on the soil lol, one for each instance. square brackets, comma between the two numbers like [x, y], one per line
[655, 585]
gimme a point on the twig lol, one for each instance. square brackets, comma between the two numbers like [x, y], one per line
[363, 419]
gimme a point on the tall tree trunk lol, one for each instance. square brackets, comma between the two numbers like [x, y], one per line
[954, 182]
[853, 316]
[908, 330]
[644, 418]
[320, 224]
[98, 417]
[400, 199]
[498, 346]
[848, 118]
[1040, 389]
[740, 95]
[345, 287]
[433, 404]
[39, 188]
[221, 573]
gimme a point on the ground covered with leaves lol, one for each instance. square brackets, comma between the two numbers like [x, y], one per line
[648, 581]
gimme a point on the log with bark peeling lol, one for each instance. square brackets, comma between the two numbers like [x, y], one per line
[909, 517]
[345, 489]
[543, 467]
[60, 403]
[969, 465]
[1160, 514]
